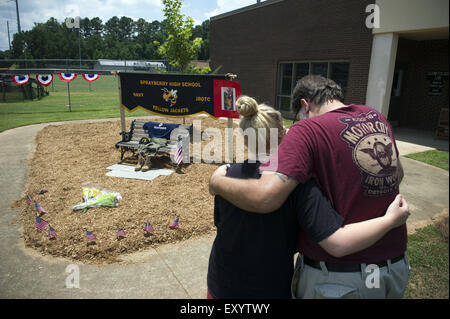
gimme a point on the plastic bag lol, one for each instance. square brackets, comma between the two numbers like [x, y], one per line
[95, 196]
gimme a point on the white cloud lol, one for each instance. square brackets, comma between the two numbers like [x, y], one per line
[32, 11]
[223, 6]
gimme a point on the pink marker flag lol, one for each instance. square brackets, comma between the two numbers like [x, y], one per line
[90, 236]
[29, 200]
[179, 152]
[39, 208]
[175, 223]
[40, 223]
[51, 231]
[148, 228]
[120, 233]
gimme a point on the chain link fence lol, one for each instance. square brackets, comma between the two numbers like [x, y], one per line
[76, 64]
[33, 90]
[11, 92]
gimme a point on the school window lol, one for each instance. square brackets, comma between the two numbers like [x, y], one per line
[291, 72]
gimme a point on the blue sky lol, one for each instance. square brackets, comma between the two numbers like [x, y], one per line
[32, 11]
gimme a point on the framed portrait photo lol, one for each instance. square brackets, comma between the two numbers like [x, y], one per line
[228, 99]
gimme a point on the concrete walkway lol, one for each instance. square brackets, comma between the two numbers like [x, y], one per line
[425, 187]
[170, 271]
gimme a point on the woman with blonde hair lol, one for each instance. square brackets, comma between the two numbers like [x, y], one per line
[259, 117]
[252, 254]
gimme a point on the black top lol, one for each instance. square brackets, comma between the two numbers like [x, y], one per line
[252, 254]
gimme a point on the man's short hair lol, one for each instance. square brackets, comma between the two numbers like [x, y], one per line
[315, 89]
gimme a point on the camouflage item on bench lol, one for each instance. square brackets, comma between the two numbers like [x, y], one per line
[152, 147]
[146, 149]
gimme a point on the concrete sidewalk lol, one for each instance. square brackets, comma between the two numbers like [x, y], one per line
[170, 271]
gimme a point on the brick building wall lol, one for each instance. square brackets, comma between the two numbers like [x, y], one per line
[252, 43]
[419, 110]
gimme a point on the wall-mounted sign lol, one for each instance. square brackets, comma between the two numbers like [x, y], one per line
[437, 82]
[180, 94]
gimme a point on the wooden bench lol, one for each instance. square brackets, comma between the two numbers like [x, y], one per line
[130, 140]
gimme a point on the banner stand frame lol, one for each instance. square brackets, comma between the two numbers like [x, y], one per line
[122, 112]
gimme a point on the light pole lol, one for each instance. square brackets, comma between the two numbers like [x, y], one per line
[9, 40]
[79, 44]
[18, 19]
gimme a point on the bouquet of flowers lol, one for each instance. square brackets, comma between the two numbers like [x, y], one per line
[95, 196]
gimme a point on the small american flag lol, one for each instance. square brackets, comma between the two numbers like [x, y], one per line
[39, 208]
[175, 223]
[51, 231]
[42, 191]
[148, 228]
[179, 154]
[29, 200]
[40, 223]
[120, 233]
[90, 236]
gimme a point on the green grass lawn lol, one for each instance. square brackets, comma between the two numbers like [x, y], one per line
[103, 83]
[429, 259]
[101, 101]
[428, 249]
[435, 158]
[287, 123]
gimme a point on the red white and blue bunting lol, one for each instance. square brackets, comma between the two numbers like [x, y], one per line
[20, 79]
[90, 77]
[44, 80]
[67, 77]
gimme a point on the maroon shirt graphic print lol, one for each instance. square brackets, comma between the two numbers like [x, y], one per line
[372, 151]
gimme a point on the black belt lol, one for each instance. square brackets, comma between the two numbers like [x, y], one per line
[334, 267]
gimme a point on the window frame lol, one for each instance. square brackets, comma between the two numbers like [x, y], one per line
[294, 76]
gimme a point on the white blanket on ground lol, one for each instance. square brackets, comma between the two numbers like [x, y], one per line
[126, 171]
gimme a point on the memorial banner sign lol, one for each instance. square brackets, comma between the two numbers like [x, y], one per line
[180, 94]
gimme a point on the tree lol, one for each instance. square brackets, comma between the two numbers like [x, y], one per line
[97, 26]
[117, 38]
[126, 27]
[202, 31]
[178, 48]
[112, 29]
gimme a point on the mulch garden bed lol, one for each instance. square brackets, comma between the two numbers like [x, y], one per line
[68, 155]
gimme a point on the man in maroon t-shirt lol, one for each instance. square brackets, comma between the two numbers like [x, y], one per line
[351, 153]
